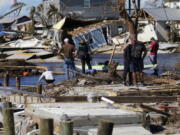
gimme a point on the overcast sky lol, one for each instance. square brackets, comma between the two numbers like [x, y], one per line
[5, 4]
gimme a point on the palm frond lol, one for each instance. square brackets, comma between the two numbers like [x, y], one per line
[18, 4]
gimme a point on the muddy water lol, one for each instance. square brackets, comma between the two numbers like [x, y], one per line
[166, 63]
[32, 80]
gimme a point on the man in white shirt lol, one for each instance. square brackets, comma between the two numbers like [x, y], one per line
[47, 76]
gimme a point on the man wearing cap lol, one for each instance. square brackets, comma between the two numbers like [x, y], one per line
[69, 51]
[154, 46]
[83, 53]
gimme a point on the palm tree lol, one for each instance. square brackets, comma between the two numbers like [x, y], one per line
[32, 16]
[54, 14]
[32, 12]
[40, 8]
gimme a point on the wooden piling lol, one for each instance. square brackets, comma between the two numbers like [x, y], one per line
[39, 88]
[46, 127]
[105, 128]
[8, 122]
[18, 82]
[6, 80]
[66, 128]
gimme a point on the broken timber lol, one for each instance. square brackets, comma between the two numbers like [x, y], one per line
[22, 67]
[151, 92]
[119, 99]
[154, 110]
[134, 92]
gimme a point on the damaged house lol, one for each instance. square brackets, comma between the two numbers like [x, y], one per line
[172, 3]
[85, 9]
[89, 16]
[22, 23]
[97, 34]
[162, 23]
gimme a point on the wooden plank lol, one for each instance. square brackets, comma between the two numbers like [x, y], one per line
[46, 126]
[154, 110]
[8, 121]
[6, 80]
[121, 99]
[24, 56]
[150, 92]
[66, 128]
[23, 67]
[143, 99]
[105, 127]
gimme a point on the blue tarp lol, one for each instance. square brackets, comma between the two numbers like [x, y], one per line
[2, 33]
[1, 27]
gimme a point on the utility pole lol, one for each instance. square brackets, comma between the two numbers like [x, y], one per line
[139, 4]
[129, 6]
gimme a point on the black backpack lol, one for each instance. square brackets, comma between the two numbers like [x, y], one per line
[83, 50]
[136, 51]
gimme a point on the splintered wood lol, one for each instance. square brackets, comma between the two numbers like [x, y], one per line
[96, 25]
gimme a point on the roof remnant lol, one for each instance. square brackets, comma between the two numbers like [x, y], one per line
[164, 14]
[11, 19]
[81, 30]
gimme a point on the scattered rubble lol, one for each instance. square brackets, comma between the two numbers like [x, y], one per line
[91, 97]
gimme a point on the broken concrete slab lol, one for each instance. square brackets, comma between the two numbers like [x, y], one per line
[24, 56]
[54, 59]
[84, 114]
[124, 130]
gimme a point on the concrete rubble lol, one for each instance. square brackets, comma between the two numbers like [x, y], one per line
[134, 110]
[89, 114]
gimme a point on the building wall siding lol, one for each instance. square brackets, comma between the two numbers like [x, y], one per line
[99, 9]
[172, 3]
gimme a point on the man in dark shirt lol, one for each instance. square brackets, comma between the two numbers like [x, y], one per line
[138, 53]
[69, 50]
[83, 53]
[127, 60]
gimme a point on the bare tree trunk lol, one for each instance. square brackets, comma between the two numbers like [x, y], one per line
[136, 19]
[128, 20]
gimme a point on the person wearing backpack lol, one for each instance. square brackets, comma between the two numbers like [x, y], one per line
[138, 53]
[83, 53]
[127, 61]
[154, 46]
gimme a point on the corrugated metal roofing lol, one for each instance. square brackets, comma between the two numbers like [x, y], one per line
[7, 19]
[11, 19]
[164, 14]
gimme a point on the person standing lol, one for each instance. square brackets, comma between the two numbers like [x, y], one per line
[138, 53]
[83, 53]
[154, 46]
[69, 52]
[127, 61]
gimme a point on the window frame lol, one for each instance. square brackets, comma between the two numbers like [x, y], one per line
[87, 4]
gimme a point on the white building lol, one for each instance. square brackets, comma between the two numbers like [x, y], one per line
[172, 3]
[85, 9]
